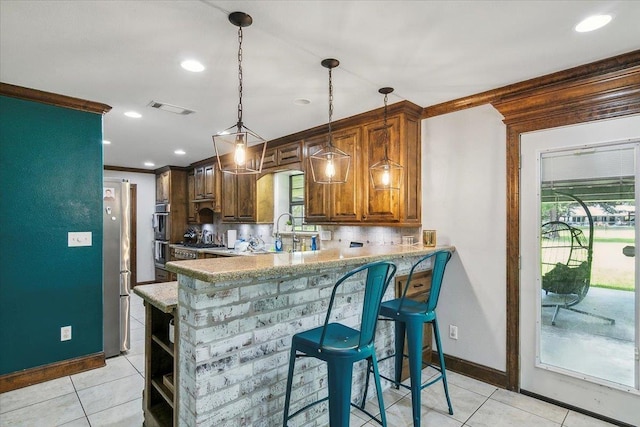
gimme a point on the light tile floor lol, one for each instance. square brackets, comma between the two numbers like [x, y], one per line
[112, 396]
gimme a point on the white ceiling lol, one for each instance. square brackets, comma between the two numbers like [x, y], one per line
[128, 53]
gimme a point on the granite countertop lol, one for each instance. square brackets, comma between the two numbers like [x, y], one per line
[283, 263]
[163, 296]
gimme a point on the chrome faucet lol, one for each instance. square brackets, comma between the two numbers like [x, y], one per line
[295, 238]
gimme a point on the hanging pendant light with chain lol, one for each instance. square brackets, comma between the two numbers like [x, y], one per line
[248, 148]
[330, 165]
[386, 174]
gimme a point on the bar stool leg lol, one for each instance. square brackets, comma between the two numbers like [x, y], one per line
[399, 334]
[414, 341]
[339, 374]
[436, 331]
[376, 377]
[287, 400]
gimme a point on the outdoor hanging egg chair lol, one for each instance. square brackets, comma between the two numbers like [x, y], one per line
[566, 257]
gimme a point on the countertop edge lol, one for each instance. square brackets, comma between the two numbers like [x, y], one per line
[211, 270]
[163, 296]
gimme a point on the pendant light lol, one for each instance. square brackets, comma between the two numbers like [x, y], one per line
[330, 165]
[238, 138]
[386, 174]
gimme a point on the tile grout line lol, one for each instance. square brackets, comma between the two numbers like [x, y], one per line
[79, 400]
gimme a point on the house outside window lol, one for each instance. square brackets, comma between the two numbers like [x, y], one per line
[296, 202]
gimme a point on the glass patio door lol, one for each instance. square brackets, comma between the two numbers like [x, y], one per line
[579, 286]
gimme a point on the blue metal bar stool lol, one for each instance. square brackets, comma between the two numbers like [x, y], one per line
[341, 346]
[409, 317]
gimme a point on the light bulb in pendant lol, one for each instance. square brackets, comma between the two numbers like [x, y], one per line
[240, 153]
[386, 178]
[330, 170]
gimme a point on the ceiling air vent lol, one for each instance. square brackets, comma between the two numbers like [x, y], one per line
[170, 108]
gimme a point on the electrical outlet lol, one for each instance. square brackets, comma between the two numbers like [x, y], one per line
[65, 333]
[453, 332]
[325, 235]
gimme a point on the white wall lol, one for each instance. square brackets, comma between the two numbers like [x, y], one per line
[464, 200]
[146, 193]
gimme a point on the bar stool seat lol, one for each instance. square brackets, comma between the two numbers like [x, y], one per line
[409, 317]
[341, 346]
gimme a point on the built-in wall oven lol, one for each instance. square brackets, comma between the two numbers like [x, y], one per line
[162, 222]
[160, 253]
[161, 234]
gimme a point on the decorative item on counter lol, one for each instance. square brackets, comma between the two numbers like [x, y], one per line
[429, 238]
[304, 245]
[314, 243]
[232, 236]
[407, 240]
[278, 243]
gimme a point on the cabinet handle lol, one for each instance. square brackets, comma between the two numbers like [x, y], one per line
[418, 285]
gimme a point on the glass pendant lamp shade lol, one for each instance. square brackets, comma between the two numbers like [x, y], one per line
[246, 147]
[248, 154]
[386, 174]
[330, 165]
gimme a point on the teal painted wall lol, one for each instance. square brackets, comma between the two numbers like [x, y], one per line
[50, 184]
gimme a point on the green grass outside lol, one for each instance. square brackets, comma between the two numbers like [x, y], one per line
[610, 268]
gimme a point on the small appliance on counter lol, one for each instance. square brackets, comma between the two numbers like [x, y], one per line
[232, 236]
[190, 236]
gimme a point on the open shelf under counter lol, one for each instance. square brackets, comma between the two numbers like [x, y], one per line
[160, 390]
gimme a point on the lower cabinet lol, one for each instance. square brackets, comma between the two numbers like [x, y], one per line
[159, 397]
[418, 290]
[163, 275]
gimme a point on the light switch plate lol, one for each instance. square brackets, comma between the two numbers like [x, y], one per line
[79, 238]
[325, 235]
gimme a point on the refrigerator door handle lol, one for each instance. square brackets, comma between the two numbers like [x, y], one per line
[125, 283]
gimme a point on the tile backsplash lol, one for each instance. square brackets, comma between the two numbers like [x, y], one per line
[341, 236]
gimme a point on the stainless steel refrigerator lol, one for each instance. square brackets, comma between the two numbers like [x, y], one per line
[116, 275]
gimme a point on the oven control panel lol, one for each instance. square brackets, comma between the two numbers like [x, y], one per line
[185, 254]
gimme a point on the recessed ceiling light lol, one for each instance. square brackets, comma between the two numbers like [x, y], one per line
[301, 101]
[149, 164]
[106, 142]
[133, 114]
[192, 65]
[593, 23]
[180, 152]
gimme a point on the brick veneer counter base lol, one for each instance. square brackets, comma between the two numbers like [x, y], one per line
[236, 319]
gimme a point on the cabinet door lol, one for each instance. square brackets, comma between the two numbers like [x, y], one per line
[229, 206]
[217, 190]
[162, 187]
[246, 197]
[381, 205]
[270, 158]
[290, 153]
[316, 195]
[418, 290]
[344, 200]
[209, 181]
[199, 182]
[191, 206]
[411, 200]
[159, 188]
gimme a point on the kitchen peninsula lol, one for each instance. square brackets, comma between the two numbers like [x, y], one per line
[236, 317]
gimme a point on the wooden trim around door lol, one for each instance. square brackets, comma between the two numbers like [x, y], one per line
[613, 93]
[601, 90]
[27, 377]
